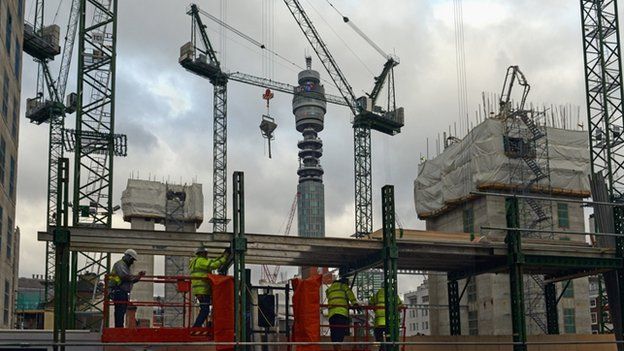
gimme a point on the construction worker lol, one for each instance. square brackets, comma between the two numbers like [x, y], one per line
[339, 296]
[200, 266]
[378, 301]
[121, 282]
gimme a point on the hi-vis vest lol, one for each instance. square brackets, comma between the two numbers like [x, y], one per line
[379, 302]
[200, 267]
[338, 297]
[113, 280]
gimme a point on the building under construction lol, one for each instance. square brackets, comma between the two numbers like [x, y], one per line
[505, 240]
[503, 155]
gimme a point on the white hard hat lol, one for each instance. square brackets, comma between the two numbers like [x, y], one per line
[132, 253]
[201, 249]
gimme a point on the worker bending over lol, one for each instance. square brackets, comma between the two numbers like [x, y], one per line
[339, 297]
[378, 301]
[200, 266]
[121, 283]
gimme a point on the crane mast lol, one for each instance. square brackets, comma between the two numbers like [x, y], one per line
[204, 62]
[604, 94]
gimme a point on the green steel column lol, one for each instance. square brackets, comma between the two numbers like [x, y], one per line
[515, 261]
[73, 284]
[390, 257]
[239, 246]
[619, 251]
[61, 244]
[453, 301]
[552, 316]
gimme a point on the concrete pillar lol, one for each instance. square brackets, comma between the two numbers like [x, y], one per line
[176, 265]
[143, 291]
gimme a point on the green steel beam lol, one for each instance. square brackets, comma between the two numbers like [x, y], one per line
[515, 260]
[390, 256]
[239, 247]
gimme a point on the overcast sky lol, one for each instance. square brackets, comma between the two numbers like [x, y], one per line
[167, 112]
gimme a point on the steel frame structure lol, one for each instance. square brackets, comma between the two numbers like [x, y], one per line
[604, 94]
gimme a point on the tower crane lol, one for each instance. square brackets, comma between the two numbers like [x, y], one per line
[204, 62]
[605, 114]
[52, 110]
[367, 115]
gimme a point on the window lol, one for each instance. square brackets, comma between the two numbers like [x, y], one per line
[12, 179]
[7, 299]
[426, 325]
[569, 325]
[9, 243]
[5, 99]
[594, 318]
[8, 31]
[425, 313]
[2, 159]
[18, 59]
[425, 299]
[415, 313]
[473, 323]
[569, 291]
[468, 218]
[415, 326]
[471, 289]
[562, 215]
[15, 117]
[592, 302]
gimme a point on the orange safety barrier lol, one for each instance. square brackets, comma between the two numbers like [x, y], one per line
[306, 311]
[222, 328]
[222, 309]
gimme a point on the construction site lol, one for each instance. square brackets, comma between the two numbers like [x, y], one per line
[506, 234]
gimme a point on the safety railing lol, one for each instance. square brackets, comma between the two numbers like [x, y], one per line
[362, 322]
[131, 332]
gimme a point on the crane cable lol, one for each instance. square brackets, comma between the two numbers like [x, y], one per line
[58, 8]
[246, 37]
[360, 32]
[255, 42]
[344, 42]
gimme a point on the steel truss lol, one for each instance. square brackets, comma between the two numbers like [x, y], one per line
[604, 93]
[95, 115]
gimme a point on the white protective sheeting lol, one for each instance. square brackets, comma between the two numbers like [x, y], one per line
[148, 199]
[478, 161]
[144, 199]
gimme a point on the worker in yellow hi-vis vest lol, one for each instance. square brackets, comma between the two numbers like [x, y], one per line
[378, 301]
[121, 280]
[199, 267]
[339, 298]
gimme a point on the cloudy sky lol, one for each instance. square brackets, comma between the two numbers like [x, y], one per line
[167, 112]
